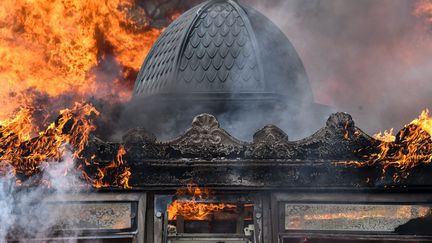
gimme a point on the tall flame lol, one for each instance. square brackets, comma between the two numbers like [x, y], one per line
[56, 47]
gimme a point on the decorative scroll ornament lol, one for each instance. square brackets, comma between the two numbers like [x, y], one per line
[206, 138]
[271, 142]
[337, 141]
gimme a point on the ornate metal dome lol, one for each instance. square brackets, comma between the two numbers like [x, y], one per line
[222, 48]
[227, 60]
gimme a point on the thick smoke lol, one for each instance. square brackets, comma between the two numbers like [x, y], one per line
[368, 58]
[26, 211]
[241, 116]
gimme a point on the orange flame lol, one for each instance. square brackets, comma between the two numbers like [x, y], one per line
[55, 47]
[411, 147]
[25, 154]
[193, 209]
[386, 136]
[118, 168]
[423, 9]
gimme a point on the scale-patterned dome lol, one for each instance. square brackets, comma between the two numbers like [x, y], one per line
[221, 47]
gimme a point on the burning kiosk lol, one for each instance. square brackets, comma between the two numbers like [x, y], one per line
[207, 186]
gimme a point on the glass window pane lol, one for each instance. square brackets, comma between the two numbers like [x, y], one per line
[351, 217]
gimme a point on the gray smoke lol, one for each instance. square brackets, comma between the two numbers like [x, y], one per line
[368, 58]
[26, 212]
[242, 105]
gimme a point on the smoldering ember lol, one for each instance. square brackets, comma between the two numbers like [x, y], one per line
[177, 174]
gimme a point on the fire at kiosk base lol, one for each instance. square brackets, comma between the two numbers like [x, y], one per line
[267, 190]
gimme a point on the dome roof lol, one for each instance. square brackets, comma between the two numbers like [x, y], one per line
[221, 47]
